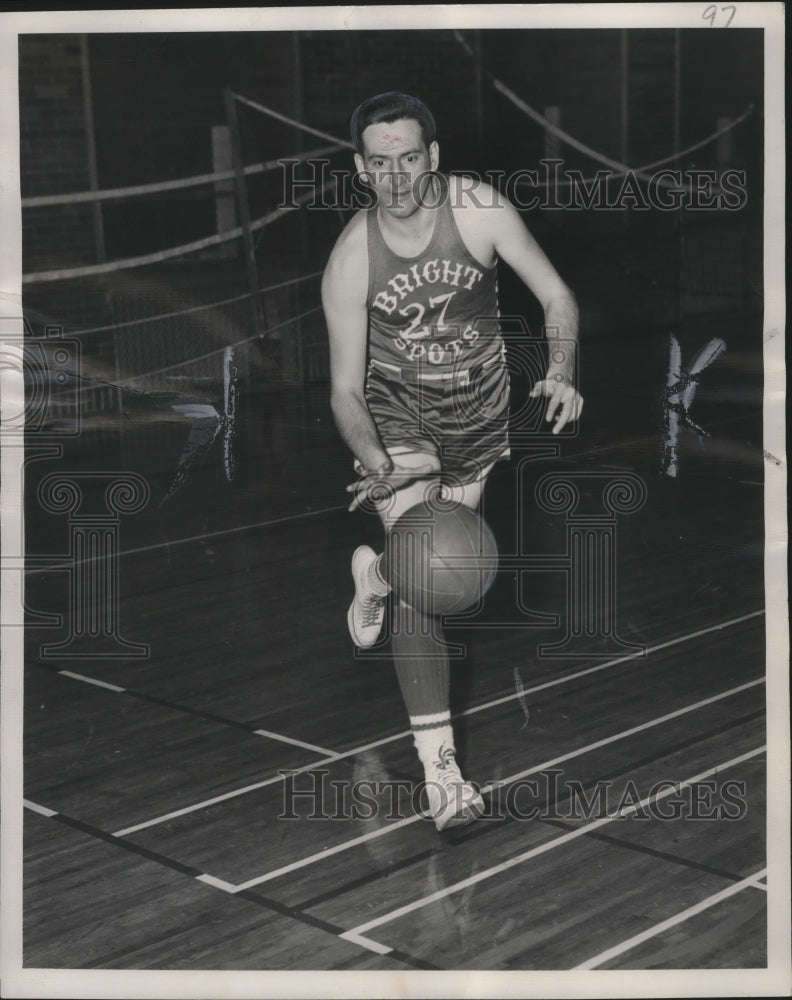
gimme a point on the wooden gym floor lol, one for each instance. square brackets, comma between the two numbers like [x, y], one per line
[157, 788]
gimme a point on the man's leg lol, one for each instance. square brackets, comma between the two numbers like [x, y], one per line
[367, 611]
[422, 666]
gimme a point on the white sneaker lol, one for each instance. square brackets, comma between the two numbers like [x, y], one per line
[452, 800]
[367, 610]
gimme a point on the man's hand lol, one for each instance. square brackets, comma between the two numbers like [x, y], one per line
[561, 394]
[379, 485]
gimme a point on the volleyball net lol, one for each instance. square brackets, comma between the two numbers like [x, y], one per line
[244, 300]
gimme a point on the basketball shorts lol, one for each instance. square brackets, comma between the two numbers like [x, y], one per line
[462, 417]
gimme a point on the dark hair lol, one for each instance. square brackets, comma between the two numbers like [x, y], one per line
[390, 107]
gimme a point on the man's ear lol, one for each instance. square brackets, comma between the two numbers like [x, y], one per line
[434, 155]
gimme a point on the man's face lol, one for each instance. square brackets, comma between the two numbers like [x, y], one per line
[397, 163]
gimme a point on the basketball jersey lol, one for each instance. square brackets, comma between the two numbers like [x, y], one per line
[437, 311]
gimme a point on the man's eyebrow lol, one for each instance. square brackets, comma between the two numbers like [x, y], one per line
[382, 156]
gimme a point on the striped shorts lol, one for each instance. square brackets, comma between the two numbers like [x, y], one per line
[462, 416]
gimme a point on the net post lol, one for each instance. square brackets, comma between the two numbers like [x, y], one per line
[243, 208]
[90, 140]
[305, 243]
[679, 242]
[478, 86]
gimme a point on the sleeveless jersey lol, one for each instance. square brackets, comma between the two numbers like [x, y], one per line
[434, 312]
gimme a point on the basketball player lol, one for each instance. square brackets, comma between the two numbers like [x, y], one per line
[420, 389]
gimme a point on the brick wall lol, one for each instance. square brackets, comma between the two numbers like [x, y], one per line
[342, 69]
[54, 159]
[52, 134]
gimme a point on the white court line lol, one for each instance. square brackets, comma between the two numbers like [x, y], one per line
[296, 743]
[92, 680]
[328, 510]
[612, 663]
[355, 841]
[625, 734]
[36, 808]
[358, 939]
[311, 859]
[216, 883]
[364, 942]
[225, 532]
[275, 779]
[679, 918]
[549, 845]
[256, 732]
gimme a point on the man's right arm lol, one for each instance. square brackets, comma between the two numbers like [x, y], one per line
[344, 292]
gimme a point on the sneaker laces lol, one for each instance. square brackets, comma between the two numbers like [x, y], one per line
[446, 768]
[370, 611]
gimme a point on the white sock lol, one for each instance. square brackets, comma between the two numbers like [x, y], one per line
[433, 738]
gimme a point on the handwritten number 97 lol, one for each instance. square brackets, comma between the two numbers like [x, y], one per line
[711, 13]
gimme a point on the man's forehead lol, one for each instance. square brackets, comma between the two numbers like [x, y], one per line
[390, 137]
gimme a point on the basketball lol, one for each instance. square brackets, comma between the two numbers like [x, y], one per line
[440, 561]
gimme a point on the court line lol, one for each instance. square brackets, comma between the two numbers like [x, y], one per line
[681, 917]
[289, 739]
[216, 883]
[92, 680]
[327, 510]
[235, 793]
[571, 755]
[549, 845]
[272, 905]
[342, 755]
[363, 838]
[255, 732]
[36, 808]
[364, 942]
[226, 532]
[355, 936]
[641, 654]
[625, 734]
[480, 832]
[603, 449]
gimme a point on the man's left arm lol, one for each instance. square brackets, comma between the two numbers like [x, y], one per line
[514, 244]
